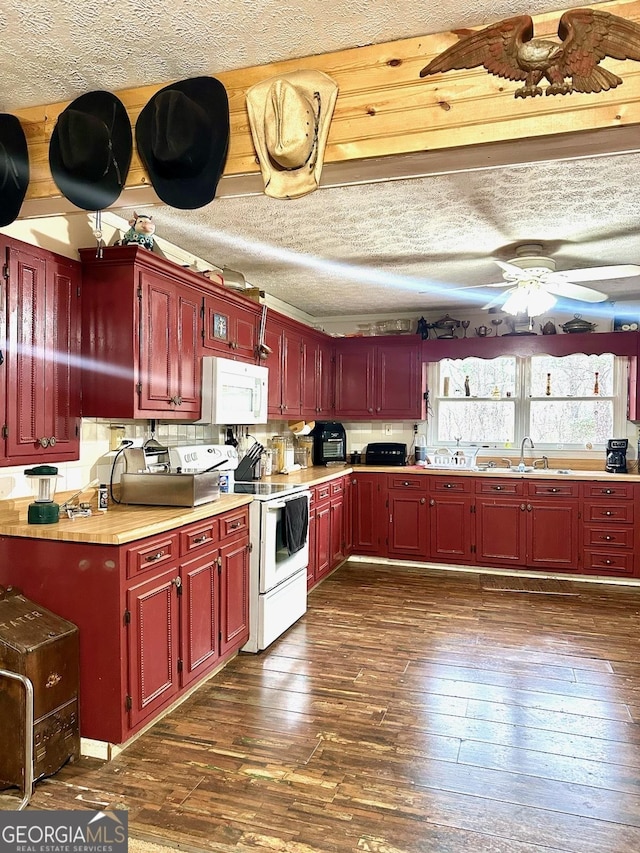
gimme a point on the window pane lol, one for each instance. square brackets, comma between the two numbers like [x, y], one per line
[476, 420]
[484, 376]
[573, 375]
[571, 422]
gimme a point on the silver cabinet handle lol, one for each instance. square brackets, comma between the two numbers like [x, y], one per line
[151, 558]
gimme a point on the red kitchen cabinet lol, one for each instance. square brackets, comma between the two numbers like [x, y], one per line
[379, 380]
[501, 531]
[408, 516]
[337, 552]
[327, 537]
[369, 514]
[152, 613]
[317, 379]
[154, 616]
[234, 594]
[285, 368]
[140, 336]
[42, 421]
[230, 327]
[322, 515]
[451, 507]
[610, 538]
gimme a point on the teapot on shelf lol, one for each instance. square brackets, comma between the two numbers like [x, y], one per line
[483, 331]
[548, 328]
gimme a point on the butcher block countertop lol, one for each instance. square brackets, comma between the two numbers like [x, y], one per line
[119, 525]
[122, 524]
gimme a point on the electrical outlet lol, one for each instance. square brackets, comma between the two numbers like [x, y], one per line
[415, 429]
[388, 429]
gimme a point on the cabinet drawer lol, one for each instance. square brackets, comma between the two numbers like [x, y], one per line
[200, 536]
[323, 492]
[604, 562]
[233, 523]
[337, 487]
[418, 483]
[451, 484]
[151, 554]
[605, 537]
[609, 490]
[493, 486]
[609, 512]
[552, 488]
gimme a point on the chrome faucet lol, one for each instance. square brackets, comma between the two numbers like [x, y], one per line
[524, 441]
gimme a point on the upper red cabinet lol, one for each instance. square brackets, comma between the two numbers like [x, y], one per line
[140, 336]
[285, 342]
[379, 379]
[41, 356]
[317, 378]
[230, 327]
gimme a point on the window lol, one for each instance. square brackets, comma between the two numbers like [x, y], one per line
[570, 401]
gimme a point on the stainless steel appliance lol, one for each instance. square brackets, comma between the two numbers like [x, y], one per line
[188, 475]
[278, 573]
[386, 453]
[617, 455]
[329, 443]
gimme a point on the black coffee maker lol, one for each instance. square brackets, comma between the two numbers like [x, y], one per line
[617, 455]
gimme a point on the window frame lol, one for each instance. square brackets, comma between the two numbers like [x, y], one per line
[522, 404]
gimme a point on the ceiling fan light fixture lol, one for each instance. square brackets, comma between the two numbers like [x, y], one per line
[530, 299]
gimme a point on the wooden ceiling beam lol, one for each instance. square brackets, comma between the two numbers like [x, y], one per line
[389, 123]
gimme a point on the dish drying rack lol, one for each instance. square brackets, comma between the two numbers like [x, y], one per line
[458, 459]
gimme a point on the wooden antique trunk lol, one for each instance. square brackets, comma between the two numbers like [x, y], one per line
[36, 643]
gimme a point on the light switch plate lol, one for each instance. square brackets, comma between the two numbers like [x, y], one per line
[388, 429]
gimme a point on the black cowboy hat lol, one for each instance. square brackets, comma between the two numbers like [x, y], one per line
[14, 168]
[182, 136]
[90, 150]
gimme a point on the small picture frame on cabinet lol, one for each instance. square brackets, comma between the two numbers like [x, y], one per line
[626, 324]
[220, 326]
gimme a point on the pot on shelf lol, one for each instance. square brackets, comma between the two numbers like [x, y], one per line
[577, 324]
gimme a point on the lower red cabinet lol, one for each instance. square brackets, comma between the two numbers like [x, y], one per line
[369, 521]
[408, 524]
[154, 616]
[327, 538]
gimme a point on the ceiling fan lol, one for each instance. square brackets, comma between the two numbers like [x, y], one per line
[534, 284]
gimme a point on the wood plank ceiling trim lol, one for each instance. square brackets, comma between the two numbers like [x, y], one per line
[384, 109]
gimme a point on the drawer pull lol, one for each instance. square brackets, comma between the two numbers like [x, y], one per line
[406, 483]
[608, 562]
[151, 558]
[553, 491]
[529, 507]
[200, 539]
[608, 538]
[607, 491]
[235, 525]
[607, 512]
[497, 488]
[448, 485]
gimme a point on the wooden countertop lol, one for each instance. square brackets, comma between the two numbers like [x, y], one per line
[122, 524]
[119, 525]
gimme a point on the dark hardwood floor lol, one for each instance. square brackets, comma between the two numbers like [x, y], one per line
[410, 710]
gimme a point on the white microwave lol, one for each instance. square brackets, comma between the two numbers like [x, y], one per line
[233, 392]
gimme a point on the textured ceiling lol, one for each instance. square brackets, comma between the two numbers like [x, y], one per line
[407, 243]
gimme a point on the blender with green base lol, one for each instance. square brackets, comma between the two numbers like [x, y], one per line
[43, 483]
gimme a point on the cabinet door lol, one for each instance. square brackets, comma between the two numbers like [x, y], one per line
[552, 535]
[323, 540]
[408, 524]
[348, 515]
[450, 528]
[273, 339]
[311, 378]
[337, 531]
[368, 515]
[199, 624]
[169, 323]
[500, 532]
[43, 400]
[398, 382]
[230, 329]
[234, 594]
[311, 567]
[291, 373]
[152, 645]
[355, 380]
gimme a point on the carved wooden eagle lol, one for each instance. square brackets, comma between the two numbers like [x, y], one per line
[508, 49]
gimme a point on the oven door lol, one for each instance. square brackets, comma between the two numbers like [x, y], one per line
[276, 564]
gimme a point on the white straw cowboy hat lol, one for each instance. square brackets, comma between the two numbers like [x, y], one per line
[290, 116]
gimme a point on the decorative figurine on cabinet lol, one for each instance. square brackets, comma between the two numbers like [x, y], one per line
[141, 231]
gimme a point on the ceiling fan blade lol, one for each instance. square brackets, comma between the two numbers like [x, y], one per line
[482, 286]
[602, 273]
[497, 300]
[573, 291]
